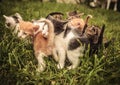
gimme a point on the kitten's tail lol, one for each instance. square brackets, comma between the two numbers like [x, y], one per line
[86, 23]
[51, 34]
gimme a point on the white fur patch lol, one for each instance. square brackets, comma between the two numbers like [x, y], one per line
[10, 21]
[42, 27]
[69, 36]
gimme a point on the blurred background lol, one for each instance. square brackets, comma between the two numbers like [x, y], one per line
[105, 4]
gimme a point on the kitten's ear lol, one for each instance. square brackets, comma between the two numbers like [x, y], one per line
[18, 15]
[6, 17]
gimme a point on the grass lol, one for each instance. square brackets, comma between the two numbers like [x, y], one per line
[18, 63]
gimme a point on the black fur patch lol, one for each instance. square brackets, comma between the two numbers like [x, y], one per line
[94, 47]
[16, 19]
[58, 25]
[67, 30]
[73, 44]
[76, 42]
[77, 32]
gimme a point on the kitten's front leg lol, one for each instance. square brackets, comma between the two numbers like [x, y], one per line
[61, 61]
[74, 60]
[73, 56]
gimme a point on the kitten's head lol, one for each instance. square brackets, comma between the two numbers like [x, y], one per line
[12, 21]
[95, 33]
[77, 23]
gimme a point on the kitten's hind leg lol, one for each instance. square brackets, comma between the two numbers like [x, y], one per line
[41, 62]
[55, 55]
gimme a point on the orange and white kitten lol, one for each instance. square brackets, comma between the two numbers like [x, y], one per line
[42, 32]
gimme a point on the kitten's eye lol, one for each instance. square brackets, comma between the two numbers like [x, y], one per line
[24, 33]
[8, 24]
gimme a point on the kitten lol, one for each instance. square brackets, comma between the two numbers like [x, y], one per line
[65, 40]
[42, 44]
[76, 44]
[95, 36]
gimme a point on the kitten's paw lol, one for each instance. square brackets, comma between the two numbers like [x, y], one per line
[40, 69]
[71, 67]
[60, 66]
